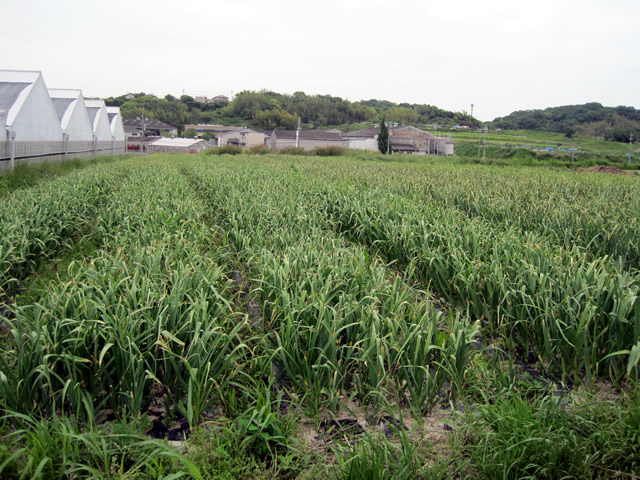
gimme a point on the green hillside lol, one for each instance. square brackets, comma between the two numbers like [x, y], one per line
[269, 110]
[590, 119]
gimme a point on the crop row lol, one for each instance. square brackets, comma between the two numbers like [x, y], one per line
[578, 313]
[36, 224]
[598, 214]
[148, 314]
[336, 319]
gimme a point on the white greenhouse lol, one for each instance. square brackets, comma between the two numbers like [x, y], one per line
[74, 120]
[117, 130]
[38, 124]
[101, 125]
[31, 124]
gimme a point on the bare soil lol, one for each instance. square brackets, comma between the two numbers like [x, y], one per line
[606, 169]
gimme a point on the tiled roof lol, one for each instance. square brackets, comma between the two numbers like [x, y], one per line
[365, 133]
[152, 124]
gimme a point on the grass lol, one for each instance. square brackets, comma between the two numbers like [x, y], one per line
[547, 438]
[543, 139]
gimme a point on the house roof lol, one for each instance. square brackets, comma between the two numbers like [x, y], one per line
[409, 130]
[371, 132]
[307, 135]
[177, 142]
[203, 127]
[235, 132]
[152, 124]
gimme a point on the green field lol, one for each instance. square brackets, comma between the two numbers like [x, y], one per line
[274, 316]
[529, 147]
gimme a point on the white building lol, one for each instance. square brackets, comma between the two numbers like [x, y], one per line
[101, 126]
[244, 138]
[118, 137]
[30, 124]
[366, 139]
[306, 139]
[74, 120]
[178, 145]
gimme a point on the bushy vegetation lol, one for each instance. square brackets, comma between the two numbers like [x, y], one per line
[506, 154]
[228, 303]
[225, 150]
[613, 123]
[546, 438]
[269, 110]
[330, 151]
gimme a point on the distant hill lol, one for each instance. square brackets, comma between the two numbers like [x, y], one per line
[592, 119]
[269, 110]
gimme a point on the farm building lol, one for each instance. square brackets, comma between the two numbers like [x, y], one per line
[403, 137]
[307, 139]
[117, 130]
[42, 124]
[366, 139]
[178, 145]
[403, 140]
[31, 124]
[404, 146]
[101, 126]
[245, 138]
[74, 120]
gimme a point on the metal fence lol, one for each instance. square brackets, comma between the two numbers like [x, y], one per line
[27, 153]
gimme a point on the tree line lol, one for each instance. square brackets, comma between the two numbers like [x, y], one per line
[270, 110]
[611, 123]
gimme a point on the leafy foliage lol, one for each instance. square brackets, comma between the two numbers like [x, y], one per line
[270, 110]
[614, 123]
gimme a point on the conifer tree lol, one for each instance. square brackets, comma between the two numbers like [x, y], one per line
[383, 137]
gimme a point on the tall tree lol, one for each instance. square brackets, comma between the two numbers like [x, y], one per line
[383, 137]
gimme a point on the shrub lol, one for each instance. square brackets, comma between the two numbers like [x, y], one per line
[331, 151]
[259, 150]
[293, 151]
[227, 149]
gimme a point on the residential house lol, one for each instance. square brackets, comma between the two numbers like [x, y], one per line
[246, 138]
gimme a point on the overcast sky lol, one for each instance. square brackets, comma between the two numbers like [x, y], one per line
[501, 55]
